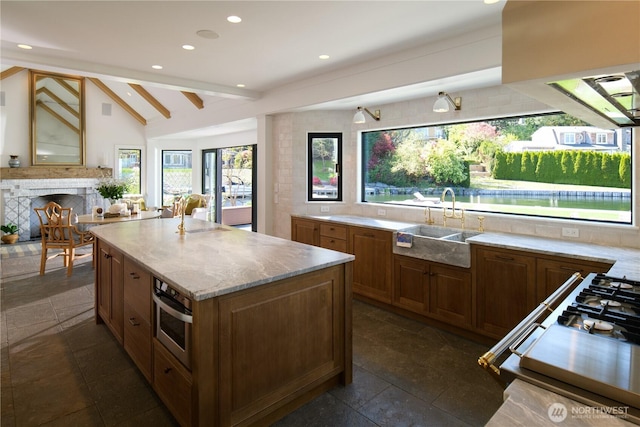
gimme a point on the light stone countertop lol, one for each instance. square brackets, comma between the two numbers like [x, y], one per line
[528, 405]
[211, 259]
[626, 261]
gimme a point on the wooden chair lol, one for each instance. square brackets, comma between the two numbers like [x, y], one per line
[59, 233]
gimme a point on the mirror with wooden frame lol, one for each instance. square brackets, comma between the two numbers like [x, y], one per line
[57, 119]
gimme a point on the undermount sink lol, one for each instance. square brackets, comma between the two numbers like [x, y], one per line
[438, 244]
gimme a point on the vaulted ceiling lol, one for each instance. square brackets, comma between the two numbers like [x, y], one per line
[116, 43]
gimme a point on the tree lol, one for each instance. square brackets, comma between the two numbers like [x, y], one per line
[468, 137]
[322, 149]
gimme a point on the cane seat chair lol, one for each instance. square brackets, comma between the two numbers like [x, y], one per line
[58, 232]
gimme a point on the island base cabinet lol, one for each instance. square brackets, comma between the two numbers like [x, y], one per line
[279, 341]
[172, 382]
[137, 340]
[109, 289]
[137, 315]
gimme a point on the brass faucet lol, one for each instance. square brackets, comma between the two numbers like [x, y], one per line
[427, 216]
[451, 213]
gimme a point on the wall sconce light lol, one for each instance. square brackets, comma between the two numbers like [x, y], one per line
[444, 101]
[360, 118]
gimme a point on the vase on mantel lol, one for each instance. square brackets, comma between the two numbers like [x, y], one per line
[14, 161]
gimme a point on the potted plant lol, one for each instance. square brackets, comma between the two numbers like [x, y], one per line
[11, 233]
[112, 189]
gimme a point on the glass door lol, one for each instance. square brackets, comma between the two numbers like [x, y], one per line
[228, 175]
[211, 177]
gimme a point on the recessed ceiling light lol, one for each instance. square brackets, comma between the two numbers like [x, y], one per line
[157, 67]
[234, 19]
[25, 46]
[187, 47]
[207, 34]
[323, 56]
[491, 1]
[240, 85]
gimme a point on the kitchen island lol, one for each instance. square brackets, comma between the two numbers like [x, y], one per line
[271, 318]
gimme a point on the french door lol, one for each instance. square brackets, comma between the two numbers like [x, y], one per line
[228, 175]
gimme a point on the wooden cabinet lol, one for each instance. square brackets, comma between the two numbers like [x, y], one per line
[305, 231]
[434, 290]
[552, 273]
[138, 316]
[450, 296]
[411, 290]
[173, 383]
[109, 289]
[334, 237]
[373, 266]
[505, 289]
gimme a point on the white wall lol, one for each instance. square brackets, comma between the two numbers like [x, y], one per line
[103, 133]
[289, 133]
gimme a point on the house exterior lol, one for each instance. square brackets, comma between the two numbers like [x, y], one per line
[549, 138]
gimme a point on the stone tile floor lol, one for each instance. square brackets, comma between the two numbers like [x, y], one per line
[58, 368]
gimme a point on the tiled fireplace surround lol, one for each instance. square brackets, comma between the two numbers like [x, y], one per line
[17, 195]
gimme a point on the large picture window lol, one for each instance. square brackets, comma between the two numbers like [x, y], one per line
[533, 165]
[324, 153]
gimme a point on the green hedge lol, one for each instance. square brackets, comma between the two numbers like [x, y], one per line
[565, 167]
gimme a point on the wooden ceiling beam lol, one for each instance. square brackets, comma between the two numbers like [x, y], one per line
[151, 100]
[195, 99]
[118, 100]
[10, 72]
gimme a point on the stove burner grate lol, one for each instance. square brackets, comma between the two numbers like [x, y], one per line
[625, 326]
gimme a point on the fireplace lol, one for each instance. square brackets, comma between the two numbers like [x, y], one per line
[20, 196]
[66, 200]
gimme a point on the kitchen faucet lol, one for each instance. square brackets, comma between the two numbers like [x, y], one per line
[446, 213]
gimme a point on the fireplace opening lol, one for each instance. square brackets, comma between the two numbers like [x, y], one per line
[64, 200]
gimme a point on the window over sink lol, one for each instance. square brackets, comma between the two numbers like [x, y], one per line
[549, 165]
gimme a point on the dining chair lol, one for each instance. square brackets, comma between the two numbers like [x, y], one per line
[58, 232]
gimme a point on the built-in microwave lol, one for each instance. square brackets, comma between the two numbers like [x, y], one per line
[173, 320]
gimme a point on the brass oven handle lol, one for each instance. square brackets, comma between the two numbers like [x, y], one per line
[487, 359]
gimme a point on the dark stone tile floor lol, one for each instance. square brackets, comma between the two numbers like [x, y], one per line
[58, 368]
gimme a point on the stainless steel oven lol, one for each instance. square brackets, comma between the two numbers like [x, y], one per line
[173, 320]
[587, 349]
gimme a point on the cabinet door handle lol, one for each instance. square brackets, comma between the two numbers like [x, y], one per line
[134, 275]
[571, 269]
[504, 258]
[332, 241]
[331, 228]
[133, 321]
[107, 256]
[167, 370]
[369, 235]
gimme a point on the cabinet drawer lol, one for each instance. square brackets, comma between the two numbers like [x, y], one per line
[137, 340]
[332, 230]
[333, 243]
[137, 288]
[172, 382]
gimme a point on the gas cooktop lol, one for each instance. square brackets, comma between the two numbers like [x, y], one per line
[608, 307]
